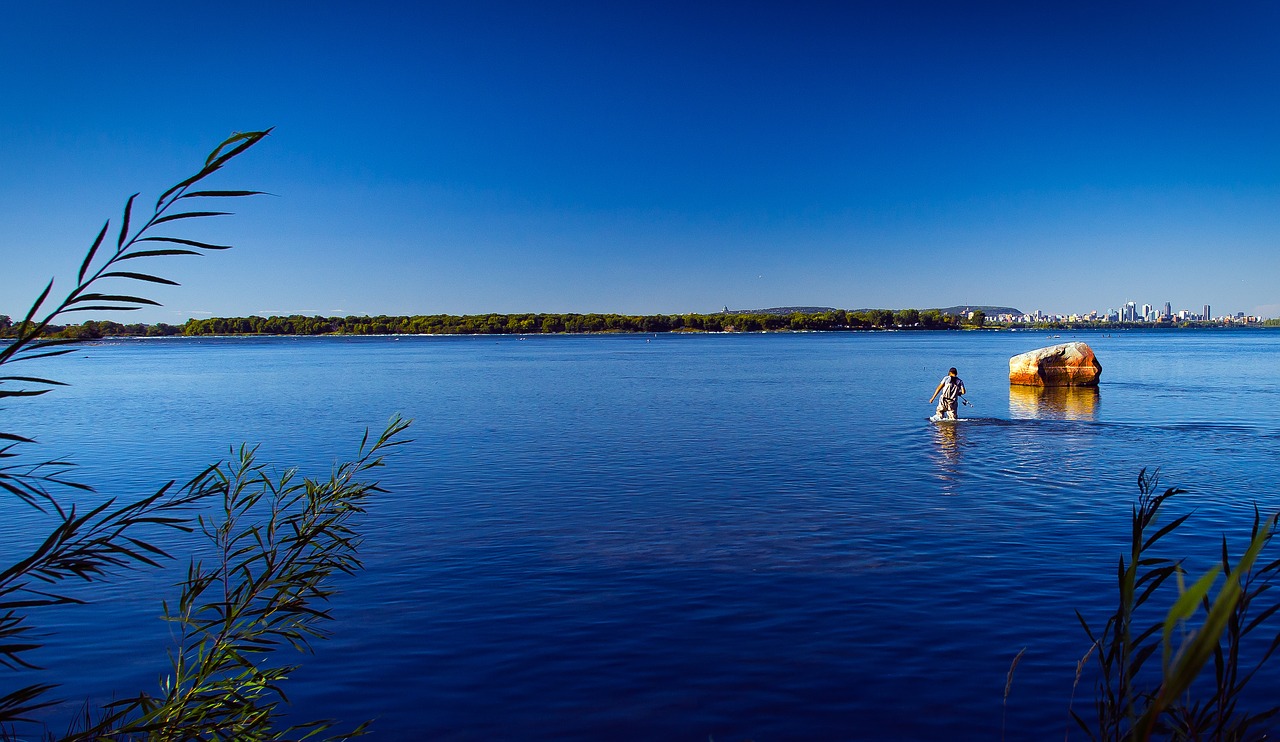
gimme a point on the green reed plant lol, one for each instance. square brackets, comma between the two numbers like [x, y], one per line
[279, 541]
[87, 543]
[1137, 702]
[276, 543]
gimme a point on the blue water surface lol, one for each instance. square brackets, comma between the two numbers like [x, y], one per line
[679, 536]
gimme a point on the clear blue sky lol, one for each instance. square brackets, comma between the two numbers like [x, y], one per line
[651, 157]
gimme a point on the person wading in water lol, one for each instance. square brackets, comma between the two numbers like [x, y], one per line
[952, 388]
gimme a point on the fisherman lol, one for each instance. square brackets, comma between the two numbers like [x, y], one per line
[952, 388]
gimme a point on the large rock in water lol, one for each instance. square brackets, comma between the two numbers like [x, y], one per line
[1069, 364]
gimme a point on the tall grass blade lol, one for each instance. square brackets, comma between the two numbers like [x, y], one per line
[221, 194]
[1184, 608]
[124, 223]
[114, 297]
[140, 277]
[190, 215]
[1008, 686]
[156, 253]
[182, 241]
[88, 259]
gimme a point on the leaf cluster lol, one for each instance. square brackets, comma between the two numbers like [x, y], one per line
[276, 544]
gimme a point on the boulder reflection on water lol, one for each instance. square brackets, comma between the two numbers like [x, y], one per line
[1053, 403]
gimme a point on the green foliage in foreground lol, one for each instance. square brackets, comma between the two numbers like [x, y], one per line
[276, 542]
[1135, 700]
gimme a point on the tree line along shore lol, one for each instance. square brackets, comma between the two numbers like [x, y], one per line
[513, 324]
[551, 323]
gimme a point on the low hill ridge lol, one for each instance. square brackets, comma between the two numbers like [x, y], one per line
[963, 309]
[781, 310]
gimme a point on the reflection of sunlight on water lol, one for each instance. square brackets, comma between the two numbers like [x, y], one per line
[1053, 403]
[949, 440]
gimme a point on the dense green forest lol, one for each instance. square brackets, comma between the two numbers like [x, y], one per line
[511, 324]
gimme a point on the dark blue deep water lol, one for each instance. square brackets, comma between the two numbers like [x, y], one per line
[680, 537]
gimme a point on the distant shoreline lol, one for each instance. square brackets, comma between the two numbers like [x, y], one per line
[836, 320]
[908, 331]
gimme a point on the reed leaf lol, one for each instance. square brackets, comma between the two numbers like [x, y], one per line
[84, 266]
[140, 277]
[156, 253]
[1185, 607]
[24, 392]
[33, 380]
[16, 705]
[183, 241]
[114, 297]
[221, 194]
[124, 222]
[101, 308]
[50, 354]
[190, 215]
[1166, 530]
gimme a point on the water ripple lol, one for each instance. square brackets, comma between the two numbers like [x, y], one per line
[729, 536]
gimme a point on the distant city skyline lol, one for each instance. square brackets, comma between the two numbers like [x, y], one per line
[470, 157]
[1128, 311]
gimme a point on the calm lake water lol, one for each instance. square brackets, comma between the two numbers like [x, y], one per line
[681, 536]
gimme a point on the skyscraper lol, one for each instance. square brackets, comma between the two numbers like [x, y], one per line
[1168, 309]
[1206, 316]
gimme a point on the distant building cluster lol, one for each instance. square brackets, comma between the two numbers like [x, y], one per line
[1133, 312]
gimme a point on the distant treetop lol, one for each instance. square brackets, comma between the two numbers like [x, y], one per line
[781, 310]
